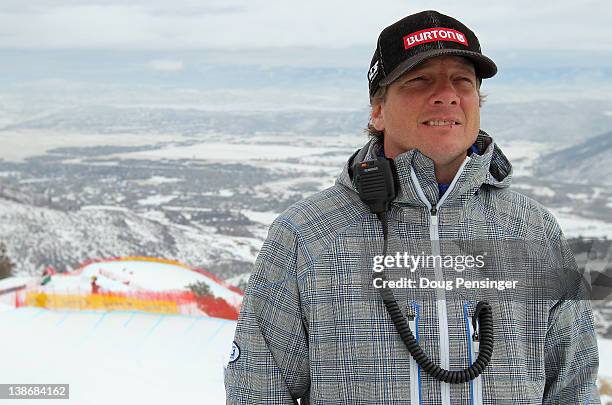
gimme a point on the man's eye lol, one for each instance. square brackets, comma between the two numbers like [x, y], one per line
[414, 80]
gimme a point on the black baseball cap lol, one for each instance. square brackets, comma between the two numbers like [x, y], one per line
[418, 37]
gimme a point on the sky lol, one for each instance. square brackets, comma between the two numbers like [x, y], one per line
[251, 24]
[67, 47]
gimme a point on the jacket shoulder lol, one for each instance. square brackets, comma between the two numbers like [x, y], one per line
[518, 208]
[319, 218]
[336, 205]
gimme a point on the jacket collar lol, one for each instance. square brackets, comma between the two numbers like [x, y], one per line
[490, 168]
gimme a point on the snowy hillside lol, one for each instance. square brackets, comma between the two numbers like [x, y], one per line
[138, 274]
[41, 236]
[126, 358]
[590, 160]
[117, 357]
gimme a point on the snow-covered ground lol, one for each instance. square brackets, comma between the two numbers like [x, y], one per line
[224, 152]
[605, 357]
[129, 357]
[523, 154]
[574, 225]
[539, 191]
[117, 357]
[157, 200]
[605, 367]
[20, 145]
[263, 217]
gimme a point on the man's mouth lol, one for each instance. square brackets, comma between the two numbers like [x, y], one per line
[440, 123]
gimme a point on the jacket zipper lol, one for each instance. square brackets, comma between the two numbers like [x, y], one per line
[440, 292]
[415, 371]
[473, 349]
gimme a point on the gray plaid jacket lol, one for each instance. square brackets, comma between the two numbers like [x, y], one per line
[311, 328]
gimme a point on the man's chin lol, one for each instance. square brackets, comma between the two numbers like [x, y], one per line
[447, 157]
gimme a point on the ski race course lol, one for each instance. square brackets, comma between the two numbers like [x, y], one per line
[119, 331]
[117, 357]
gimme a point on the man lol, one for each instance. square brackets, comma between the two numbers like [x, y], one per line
[310, 326]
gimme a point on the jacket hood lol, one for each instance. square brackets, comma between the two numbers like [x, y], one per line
[489, 168]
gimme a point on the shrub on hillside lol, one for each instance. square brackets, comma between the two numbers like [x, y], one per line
[6, 265]
[200, 289]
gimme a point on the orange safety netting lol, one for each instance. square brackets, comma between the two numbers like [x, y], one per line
[167, 302]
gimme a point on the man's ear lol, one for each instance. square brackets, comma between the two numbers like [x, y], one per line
[376, 117]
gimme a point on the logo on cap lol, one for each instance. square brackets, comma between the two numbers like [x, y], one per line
[372, 72]
[434, 34]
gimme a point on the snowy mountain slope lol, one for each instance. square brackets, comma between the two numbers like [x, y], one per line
[42, 236]
[127, 357]
[587, 162]
[15, 196]
[117, 357]
[137, 274]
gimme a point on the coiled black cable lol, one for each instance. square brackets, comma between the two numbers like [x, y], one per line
[483, 313]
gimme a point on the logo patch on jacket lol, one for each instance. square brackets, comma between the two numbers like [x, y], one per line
[235, 353]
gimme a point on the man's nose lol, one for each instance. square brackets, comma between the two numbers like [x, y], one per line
[444, 93]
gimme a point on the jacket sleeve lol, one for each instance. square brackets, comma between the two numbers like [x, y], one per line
[272, 366]
[571, 356]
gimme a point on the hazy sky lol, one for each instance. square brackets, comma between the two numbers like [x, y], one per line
[248, 24]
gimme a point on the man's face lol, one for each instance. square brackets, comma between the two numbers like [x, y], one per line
[444, 88]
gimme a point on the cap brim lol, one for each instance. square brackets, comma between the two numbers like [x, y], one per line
[485, 67]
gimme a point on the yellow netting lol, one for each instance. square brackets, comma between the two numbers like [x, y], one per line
[106, 302]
